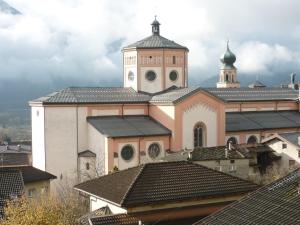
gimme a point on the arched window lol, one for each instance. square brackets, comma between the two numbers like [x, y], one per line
[199, 135]
[233, 141]
[252, 140]
[87, 166]
[226, 77]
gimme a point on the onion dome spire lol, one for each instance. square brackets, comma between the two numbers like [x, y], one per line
[228, 58]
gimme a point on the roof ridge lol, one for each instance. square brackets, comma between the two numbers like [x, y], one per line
[132, 184]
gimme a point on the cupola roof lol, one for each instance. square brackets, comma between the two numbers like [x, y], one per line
[228, 58]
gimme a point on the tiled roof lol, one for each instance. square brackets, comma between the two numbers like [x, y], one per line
[104, 211]
[32, 174]
[291, 137]
[118, 219]
[155, 41]
[174, 95]
[11, 185]
[84, 95]
[276, 204]
[14, 159]
[155, 183]
[127, 126]
[216, 153]
[261, 120]
[254, 94]
[93, 95]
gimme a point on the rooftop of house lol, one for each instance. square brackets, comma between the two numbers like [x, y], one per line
[104, 211]
[276, 203]
[164, 182]
[30, 173]
[218, 153]
[106, 95]
[127, 126]
[293, 138]
[11, 186]
[261, 120]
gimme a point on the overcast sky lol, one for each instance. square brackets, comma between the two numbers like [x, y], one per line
[83, 38]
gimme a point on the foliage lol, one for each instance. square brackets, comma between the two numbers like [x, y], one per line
[43, 211]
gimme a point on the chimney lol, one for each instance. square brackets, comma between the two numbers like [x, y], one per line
[19, 147]
[226, 152]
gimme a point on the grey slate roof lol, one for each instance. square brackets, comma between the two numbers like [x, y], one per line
[155, 41]
[127, 126]
[276, 204]
[254, 94]
[32, 174]
[14, 159]
[94, 95]
[257, 84]
[291, 137]
[117, 219]
[261, 120]
[165, 182]
[11, 185]
[84, 95]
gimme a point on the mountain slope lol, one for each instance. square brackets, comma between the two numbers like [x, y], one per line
[6, 8]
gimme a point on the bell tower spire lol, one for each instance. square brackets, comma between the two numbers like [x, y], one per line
[228, 72]
[155, 26]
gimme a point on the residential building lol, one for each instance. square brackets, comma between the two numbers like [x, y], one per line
[287, 146]
[166, 191]
[276, 203]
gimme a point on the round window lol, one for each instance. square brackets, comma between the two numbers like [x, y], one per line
[130, 76]
[173, 75]
[127, 152]
[154, 150]
[151, 75]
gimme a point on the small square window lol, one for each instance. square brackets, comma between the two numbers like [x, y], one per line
[284, 145]
[31, 193]
[232, 161]
[298, 153]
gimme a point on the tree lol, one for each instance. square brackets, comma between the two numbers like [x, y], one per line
[43, 211]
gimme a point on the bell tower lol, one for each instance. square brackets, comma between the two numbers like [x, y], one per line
[228, 72]
[155, 63]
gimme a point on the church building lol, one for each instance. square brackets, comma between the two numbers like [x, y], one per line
[79, 132]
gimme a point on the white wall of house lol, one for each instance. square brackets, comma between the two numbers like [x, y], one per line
[38, 137]
[82, 129]
[96, 144]
[96, 203]
[192, 116]
[236, 167]
[287, 154]
[61, 142]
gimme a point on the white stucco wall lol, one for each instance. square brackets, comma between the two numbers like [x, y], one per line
[82, 129]
[105, 112]
[179, 82]
[134, 112]
[199, 113]
[38, 137]
[96, 203]
[61, 142]
[151, 86]
[96, 144]
[132, 68]
[289, 153]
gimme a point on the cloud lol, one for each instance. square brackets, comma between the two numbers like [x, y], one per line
[82, 39]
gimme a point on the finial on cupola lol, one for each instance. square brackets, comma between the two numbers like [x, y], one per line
[155, 26]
